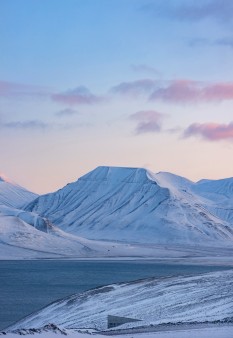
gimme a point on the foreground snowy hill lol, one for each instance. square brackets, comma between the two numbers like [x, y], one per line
[135, 205]
[202, 298]
[51, 331]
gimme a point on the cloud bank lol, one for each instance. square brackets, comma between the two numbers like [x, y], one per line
[210, 131]
[182, 91]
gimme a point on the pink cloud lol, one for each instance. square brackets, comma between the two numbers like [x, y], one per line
[218, 92]
[183, 91]
[79, 95]
[177, 91]
[135, 88]
[149, 121]
[211, 131]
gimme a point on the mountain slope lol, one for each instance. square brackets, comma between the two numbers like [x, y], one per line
[26, 234]
[218, 197]
[206, 297]
[134, 205]
[13, 195]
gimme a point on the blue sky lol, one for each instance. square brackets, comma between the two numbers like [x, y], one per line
[115, 82]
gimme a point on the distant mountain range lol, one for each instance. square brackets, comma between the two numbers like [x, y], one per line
[115, 211]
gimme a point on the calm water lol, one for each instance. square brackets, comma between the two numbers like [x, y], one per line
[26, 286]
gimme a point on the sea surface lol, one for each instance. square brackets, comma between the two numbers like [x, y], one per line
[27, 286]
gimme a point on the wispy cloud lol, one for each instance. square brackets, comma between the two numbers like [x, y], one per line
[40, 126]
[135, 88]
[227, 41]
[200, 42]
[77, 96]
[177, 91]
[25, 125]
[148, 121]
[66, 112]
[9, 89]
[142, 68]
[181, 91]
[210, 131]
[218, 10]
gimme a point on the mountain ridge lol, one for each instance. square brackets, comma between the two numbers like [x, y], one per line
[113, 203]
[13, 195]
[108, 205]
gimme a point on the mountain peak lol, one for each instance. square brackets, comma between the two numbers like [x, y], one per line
[116, 174]
[4, 178]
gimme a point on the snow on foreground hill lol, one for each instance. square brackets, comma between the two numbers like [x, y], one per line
[202, 298]
[218, 331]
[222, 331]
[135, 205]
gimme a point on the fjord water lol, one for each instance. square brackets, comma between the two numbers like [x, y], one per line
[27, 286]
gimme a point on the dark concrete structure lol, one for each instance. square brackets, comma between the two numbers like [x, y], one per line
[114, 321]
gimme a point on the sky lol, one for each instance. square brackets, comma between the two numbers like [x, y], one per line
[135, 83]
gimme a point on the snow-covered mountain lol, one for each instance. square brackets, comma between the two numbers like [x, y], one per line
[202, 298]
[120, 205]
[136, 205]
[13, 195]
[25, 234]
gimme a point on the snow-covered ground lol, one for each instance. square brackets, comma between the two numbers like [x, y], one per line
[218, 331]
[202, 298]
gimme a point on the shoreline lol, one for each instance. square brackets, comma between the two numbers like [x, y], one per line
[202, 261]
